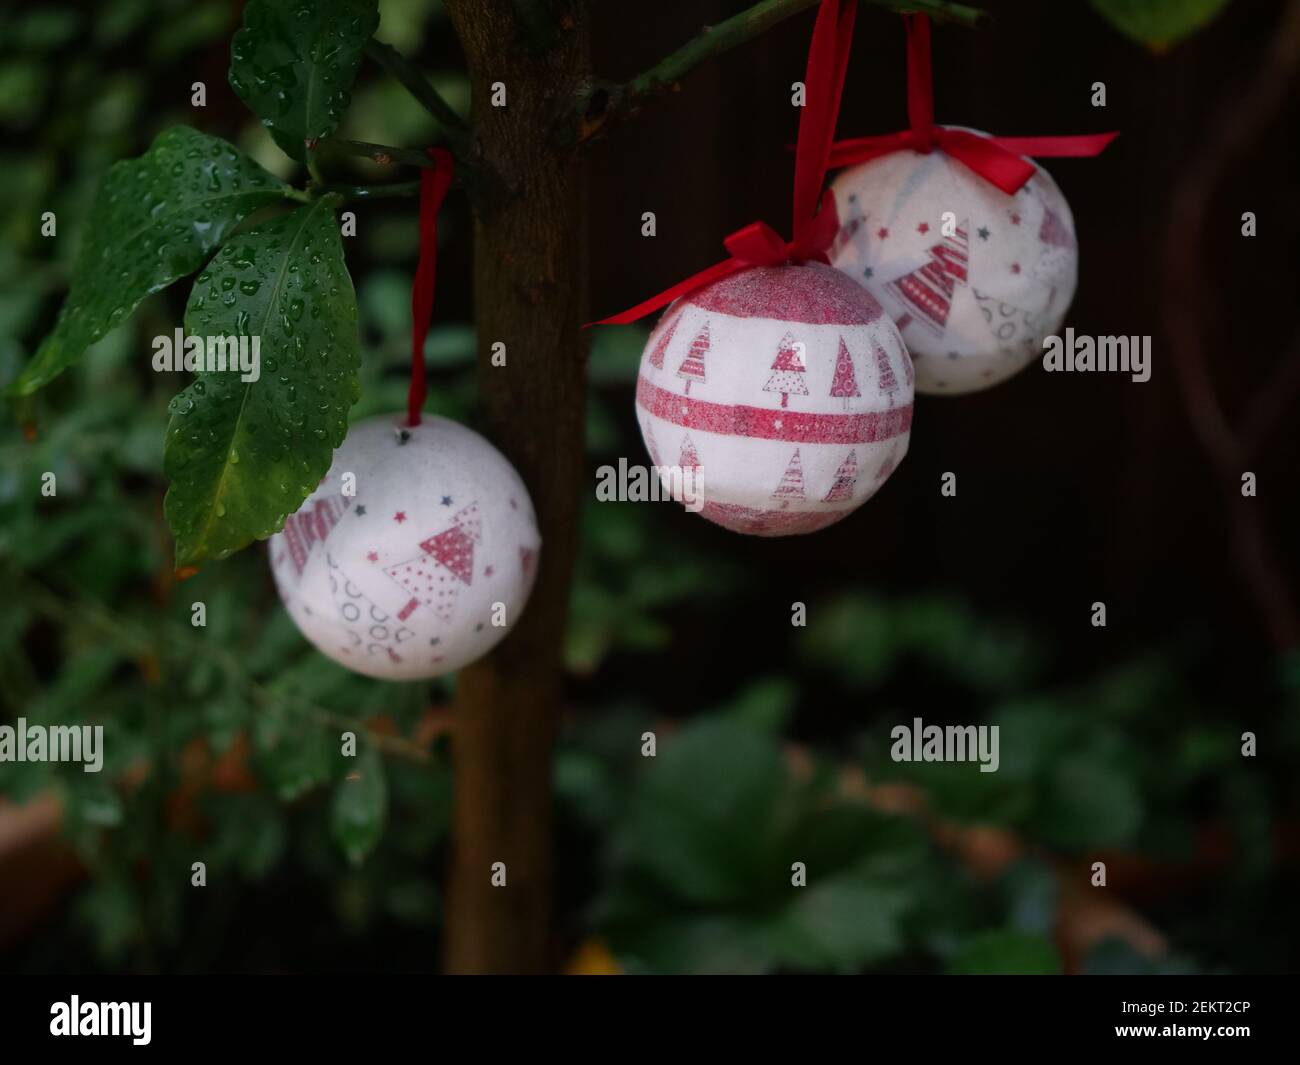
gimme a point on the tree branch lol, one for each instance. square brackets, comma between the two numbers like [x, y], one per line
[530, 284]
[417, 85]
[474, 177]
[383, 154]
[371, 192]
[605, 101]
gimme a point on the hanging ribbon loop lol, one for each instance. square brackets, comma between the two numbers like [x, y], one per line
[920, 83]
[434, 183]
[815, 220]
[997, 160]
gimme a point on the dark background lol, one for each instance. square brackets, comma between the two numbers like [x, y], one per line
[1072, 489]
[1119, 743]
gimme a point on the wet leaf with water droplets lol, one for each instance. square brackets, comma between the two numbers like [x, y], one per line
[239, 455]
[150, 224]
[293, 64]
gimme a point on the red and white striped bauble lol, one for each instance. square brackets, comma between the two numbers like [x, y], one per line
[785, 389]
[974, 278]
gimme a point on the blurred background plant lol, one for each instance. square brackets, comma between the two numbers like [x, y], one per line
[222, 742]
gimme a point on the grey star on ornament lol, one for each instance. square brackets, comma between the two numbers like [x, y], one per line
[360, 511]
[953, 355]
[868, 272]
[983, 231]
[446, 501]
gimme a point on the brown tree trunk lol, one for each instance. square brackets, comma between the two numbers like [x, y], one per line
[529, 291]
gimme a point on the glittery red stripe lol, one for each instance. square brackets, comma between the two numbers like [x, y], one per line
[760, 423]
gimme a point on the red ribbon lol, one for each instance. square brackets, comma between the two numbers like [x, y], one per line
[996, 159]
[815, 218]
[434, 183]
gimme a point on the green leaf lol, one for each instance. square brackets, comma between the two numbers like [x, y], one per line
[690, 945]
[413, 902]
[360, 806]
[154, 219]
[110, 908]
[242, 455]
[841, 925]
[766, 704]
[294, 61]
[707, 812]
[248, 833]
[1005, 953]
[854, 636]
[1158, 23]
[1091, 802]
[293, 755]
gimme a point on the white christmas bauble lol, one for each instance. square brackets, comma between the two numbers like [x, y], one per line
[416, 553]
[784, 390]
[974, 278]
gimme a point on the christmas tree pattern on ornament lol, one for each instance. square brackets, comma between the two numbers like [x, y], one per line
[434, 578]
[888, 381]
[311, 527]
[846, 479]
[790, 490]
[1013, 327]
[692, 367]
[845, 383]
[1056, 260]
[789, 370]
[665, 338]
[688, 459]
[368, 625]
[928, 291]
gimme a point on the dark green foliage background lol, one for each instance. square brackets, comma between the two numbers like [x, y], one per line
[678, 864]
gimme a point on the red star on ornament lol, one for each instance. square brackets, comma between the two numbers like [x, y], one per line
[924, 227]
[882, 232]
[1015, 219]
[399, 517]
[1015, 268]
[487, 572]
[373, 556]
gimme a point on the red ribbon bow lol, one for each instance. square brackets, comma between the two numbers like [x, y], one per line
[815, 218]
[996, 159]
[434, 183]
